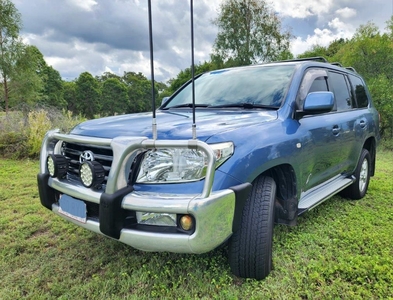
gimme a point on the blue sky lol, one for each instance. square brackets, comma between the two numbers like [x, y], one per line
[112, 35]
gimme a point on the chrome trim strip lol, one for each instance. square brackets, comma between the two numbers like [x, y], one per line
[76, 191]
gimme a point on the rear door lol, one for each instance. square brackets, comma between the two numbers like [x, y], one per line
[346, 117]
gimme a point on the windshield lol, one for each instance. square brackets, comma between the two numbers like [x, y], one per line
[257, 85]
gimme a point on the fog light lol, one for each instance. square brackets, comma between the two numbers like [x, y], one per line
[158, 219]
[186, 222]
[92, 173]
[57, 165]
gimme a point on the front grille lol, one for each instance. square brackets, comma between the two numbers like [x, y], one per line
[73, 152]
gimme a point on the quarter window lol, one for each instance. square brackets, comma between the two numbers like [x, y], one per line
[359, 91]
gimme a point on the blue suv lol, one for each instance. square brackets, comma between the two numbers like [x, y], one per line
[273, 141]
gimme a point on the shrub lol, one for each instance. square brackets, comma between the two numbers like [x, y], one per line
[13, 135]
[39, 124]
[22, 131]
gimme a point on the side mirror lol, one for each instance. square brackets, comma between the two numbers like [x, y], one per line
[318, 102]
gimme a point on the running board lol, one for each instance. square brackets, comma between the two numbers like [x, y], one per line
[324, 192]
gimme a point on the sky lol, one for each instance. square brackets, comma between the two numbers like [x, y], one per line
[98, 36]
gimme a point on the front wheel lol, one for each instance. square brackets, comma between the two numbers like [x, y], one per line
[358, 189]
[250, 249]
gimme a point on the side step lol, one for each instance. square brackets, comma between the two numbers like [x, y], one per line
[324, 192]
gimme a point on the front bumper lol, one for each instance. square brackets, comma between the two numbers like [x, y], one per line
[216, 214]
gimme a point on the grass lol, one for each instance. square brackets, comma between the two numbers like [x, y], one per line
[341, 249]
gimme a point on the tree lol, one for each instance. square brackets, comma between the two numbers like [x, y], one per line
[328, 52]
[185, 75]
[369, 52]
[88, 95]
[10, 44]
[69, 94]
[114, 97]
[53, 88]
[139, 92]
[249, 32]
[27, 80]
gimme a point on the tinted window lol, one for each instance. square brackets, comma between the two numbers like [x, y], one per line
[359, 91]
[341, 92]
[265, 85]
[319, 85]
[314, 80]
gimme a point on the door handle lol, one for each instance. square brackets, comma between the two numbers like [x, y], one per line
[336, 130]
[363, 124]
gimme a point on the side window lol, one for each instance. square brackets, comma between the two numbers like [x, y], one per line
[319, 85]
[314, 80]
[341, 91]
[359, 91]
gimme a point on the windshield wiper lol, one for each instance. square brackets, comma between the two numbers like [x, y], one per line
[185, 105]
[245, 106]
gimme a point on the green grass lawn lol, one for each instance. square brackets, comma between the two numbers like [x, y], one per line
[342, 249]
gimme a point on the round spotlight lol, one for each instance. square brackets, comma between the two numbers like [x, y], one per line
[186, 222]
[57, 165]
[92, 173]
[51, 166]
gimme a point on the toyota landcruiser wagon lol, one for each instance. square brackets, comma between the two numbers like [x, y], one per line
[272, 142]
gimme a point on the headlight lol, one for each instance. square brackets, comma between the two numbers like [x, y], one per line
[179, 164]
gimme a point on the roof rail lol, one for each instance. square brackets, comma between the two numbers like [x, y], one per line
[337, 64]
[340, 65]
[351, 69]
[316, 58]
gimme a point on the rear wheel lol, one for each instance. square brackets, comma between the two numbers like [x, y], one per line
[358, 189]
[250, 249]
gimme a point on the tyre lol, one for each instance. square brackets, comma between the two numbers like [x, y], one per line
[358, 189]
[250, 248]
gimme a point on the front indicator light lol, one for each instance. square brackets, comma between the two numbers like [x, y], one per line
[57, 165]
[186, 222]
[92, 173]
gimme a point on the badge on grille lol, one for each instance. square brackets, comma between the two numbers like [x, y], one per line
[86, 156]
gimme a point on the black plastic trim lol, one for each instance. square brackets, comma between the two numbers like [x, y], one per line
[242, 191]
[47, 194]
[111, 215]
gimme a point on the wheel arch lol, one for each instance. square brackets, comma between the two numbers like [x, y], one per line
[286, 203]
[371, 145]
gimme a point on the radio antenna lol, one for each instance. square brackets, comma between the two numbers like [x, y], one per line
[192, 70]
[153, 95]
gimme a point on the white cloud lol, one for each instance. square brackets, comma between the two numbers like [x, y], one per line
[323, 37]
[86, 5]
[346, 12]
[345, 30]
[302, 8]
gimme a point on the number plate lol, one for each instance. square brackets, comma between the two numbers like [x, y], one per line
[72, 208]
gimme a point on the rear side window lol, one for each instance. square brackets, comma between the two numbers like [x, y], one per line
[341, 91]
[359, 91]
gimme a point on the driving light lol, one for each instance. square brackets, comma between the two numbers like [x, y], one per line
[179, 164]
[92, 173]
[158, 219]
[57, 165]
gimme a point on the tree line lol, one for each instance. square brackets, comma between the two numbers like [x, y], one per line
[249, 32]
